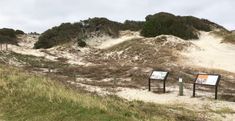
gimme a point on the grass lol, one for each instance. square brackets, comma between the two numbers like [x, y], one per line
[31, 61]
[26, 96]
[224, 110]
[228, 37]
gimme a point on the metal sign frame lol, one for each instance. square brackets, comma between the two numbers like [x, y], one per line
[216, 85]
[164, 80]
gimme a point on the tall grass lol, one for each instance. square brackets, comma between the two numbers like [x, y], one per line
[27, 97]
[230, 38]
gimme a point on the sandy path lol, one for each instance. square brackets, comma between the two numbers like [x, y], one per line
[212, 53]
[205, 99]
[203, 103]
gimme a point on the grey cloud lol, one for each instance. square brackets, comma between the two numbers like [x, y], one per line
[39, 15]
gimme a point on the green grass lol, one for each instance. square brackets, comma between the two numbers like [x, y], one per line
[27, 97]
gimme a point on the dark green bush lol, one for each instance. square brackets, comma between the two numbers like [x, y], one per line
[58, 35]
[8, 32]
[4, 39]
[169, 24]
[9, 35]
[132, 25]
[17, 32]
[81, 43]
[198, 24]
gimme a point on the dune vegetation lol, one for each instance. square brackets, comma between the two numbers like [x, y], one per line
[27, 96]
[185, 27]
[230, 38]
[79, 31]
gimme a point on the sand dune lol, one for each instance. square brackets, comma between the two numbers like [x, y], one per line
[210, 52]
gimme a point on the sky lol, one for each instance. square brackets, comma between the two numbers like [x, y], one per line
[40, 15]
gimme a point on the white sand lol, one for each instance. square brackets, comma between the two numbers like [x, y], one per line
[111, 42]
[107, 42]
[212, 53]
[173, 98]
[198, 104]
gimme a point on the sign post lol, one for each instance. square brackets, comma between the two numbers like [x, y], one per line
[207, 79]
[181, 87]
[158, 75]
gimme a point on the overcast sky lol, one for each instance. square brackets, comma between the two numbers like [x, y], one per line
[39, 15]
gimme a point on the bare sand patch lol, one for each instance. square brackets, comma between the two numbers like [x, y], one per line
[210, 52]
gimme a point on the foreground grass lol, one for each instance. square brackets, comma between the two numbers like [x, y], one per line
[25, 96]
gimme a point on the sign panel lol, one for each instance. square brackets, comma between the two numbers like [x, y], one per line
[207, 79]
[158, 75]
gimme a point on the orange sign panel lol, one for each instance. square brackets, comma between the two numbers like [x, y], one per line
[207, 79]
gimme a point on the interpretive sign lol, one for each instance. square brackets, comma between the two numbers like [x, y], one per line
[207, 79]
[158, 75]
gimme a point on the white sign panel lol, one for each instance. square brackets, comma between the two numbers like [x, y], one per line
[158, 75]
[207, 79]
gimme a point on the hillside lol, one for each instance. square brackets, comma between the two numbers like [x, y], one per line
[25, 96]
[185, 27]
[208, 47]
[120, 69]
[117, 67]
[78, 32]
[98, 69]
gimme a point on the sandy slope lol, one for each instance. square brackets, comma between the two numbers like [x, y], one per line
[112, 42]
[211, 53]
[76, 57]
[26, 48]
[106, 42]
